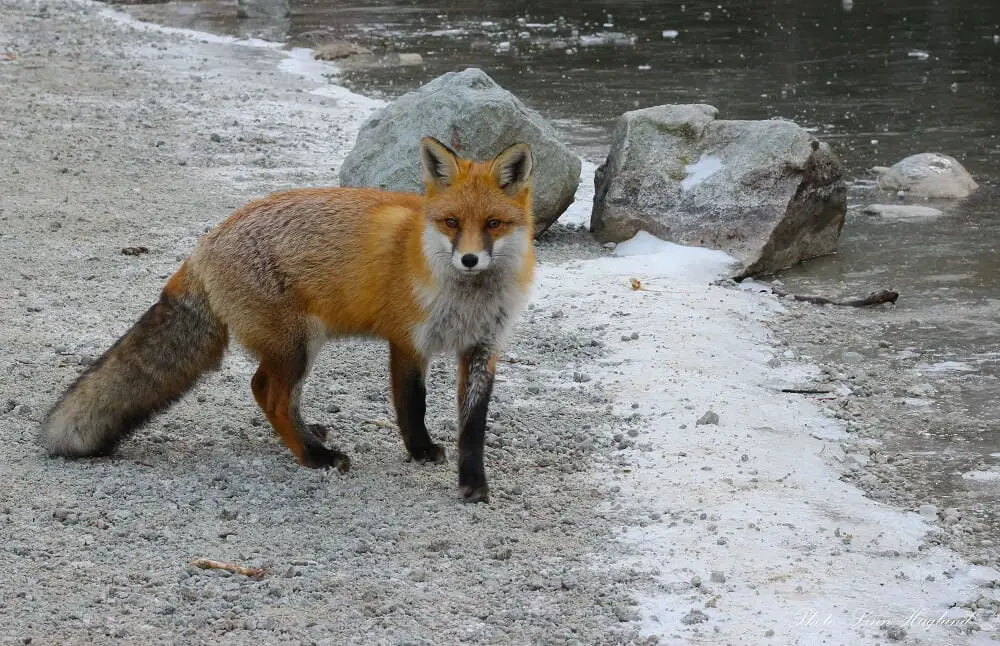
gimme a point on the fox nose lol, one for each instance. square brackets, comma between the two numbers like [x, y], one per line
[470, 260]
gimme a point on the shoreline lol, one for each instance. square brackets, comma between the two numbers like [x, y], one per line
[650, 363]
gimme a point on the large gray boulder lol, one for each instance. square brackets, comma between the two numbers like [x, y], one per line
[929, 175]
[470, 112]
[765, 192]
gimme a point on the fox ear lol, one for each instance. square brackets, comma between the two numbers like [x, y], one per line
[440, 163]
[512, 168]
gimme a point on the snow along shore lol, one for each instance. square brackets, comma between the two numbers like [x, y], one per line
[616, 516]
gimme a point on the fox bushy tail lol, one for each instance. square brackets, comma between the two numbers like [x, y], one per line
[159, 359]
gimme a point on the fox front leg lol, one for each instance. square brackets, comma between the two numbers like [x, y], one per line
[476, 370]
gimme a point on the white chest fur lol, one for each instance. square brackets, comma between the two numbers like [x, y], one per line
[465, 313]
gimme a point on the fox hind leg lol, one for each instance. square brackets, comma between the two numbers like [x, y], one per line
[277, 387]
[409, 397]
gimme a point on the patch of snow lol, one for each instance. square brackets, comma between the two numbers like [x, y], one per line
[578, 213]
[298, 61]
[701, 170]
[673, 260]
[982, 476]
[122, 18]
[806, 558]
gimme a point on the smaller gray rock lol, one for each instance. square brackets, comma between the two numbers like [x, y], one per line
[718, 577]
[709, 417]
[229, 513]
[930, 175]
[470, 112]
[694, 617]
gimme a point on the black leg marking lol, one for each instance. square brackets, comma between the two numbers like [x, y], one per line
[410, 399]
[479, 388]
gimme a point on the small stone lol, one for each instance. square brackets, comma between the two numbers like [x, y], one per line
[534, 390]
[229, 513]
[696, 581]
[581, 377]
[332, 408]
[894, 633]
[694, 617]
[709, 417]
[718, 577]
[610, 245]
[215, 137]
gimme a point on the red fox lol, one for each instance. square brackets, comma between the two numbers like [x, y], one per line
[446, 271]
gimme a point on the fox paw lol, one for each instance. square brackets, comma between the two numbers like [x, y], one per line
[475, 494]
[430, 453]
[320, 457]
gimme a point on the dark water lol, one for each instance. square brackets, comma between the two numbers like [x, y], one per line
[879, 81]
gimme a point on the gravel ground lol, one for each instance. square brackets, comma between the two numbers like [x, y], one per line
[114, 138]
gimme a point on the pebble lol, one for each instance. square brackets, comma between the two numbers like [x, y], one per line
[581, 377]
[694, 617]
[710, 417]
[718, 577]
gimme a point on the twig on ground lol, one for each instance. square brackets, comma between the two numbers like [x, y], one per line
[209, 564]
[516, 360]
[378, 422]
[875, 298]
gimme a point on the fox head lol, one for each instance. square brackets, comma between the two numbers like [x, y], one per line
[478, 212]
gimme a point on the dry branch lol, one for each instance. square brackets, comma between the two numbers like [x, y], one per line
[209, 564]
[875, 298]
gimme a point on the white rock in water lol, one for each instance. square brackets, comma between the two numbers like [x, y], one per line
[930, 175]
[901, 211]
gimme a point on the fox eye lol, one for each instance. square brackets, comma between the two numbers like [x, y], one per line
[492, 224]
[451, 223]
